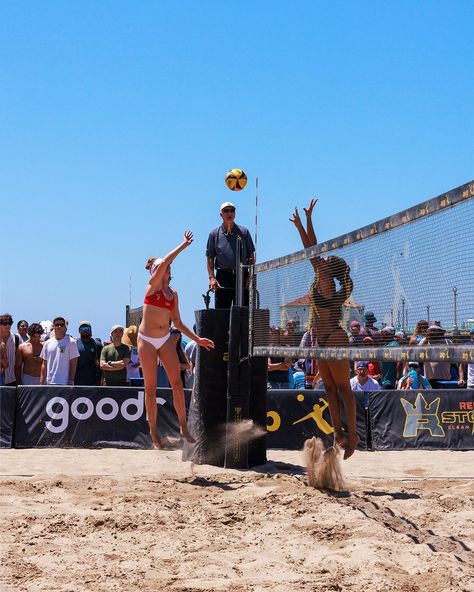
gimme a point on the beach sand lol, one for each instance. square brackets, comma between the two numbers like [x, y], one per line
[133, 520]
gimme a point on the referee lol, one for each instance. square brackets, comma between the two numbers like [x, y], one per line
[221, 254]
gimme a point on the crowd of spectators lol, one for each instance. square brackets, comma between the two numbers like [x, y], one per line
[371, 375]
[45, 353]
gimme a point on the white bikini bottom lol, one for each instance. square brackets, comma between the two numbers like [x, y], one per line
[156, 342]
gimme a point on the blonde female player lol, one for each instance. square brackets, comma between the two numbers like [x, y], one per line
[326, 308]
[159, 310]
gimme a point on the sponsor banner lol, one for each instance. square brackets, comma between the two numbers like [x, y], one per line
[87, 417]
[294, 416]
[7, 415]
[422, 419]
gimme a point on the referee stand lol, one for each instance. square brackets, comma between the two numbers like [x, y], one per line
[230, 389]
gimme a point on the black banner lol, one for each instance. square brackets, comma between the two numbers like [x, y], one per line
[89, 417]
[294, 416]
[428, 419]
[7, 415]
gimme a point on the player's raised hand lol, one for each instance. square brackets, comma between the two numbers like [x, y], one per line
[296, 218]
[309, 209]
[188, 237]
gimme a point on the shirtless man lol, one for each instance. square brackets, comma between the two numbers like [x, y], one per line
[28, 363]
[3, 363]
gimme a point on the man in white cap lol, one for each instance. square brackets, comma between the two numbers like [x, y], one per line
[115, 358]
[221, 254]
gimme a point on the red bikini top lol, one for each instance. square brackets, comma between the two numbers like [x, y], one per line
[158, 299]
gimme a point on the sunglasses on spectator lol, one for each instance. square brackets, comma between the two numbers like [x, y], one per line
[84, 328]
[228, 210]
[59, 325]
[5, 323]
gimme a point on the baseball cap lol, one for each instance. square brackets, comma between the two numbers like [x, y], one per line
[362, 365]
[227, 204]
[354, 324]
[85, 324]
[116, 327]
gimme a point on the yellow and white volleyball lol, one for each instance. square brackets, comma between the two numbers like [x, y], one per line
[236, 179]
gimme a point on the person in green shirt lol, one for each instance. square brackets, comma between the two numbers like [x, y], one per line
[114, 359]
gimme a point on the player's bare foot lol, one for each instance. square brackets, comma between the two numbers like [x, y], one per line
[351, 445]
[156, 442]
[340, 440]
[186, 435]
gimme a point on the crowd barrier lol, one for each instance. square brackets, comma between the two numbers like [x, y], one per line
[90, 417]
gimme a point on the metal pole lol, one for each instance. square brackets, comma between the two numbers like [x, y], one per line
[256, 215]
[251, 307]
[403, 314]
[428, 313]
[239, 272]
[392, 323]
[455, 295]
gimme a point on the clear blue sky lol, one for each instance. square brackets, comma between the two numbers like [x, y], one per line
[120, 119]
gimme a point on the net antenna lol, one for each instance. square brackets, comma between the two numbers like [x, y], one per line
[256, 215]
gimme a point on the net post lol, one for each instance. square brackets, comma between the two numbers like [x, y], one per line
[238, 273]
[238, 390]
[251, 308]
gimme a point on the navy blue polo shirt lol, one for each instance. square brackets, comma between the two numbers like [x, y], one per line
[222, 246]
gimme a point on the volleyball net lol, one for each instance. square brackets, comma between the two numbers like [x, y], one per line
[417, 265]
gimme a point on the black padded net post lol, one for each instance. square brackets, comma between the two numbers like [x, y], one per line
[415, 265]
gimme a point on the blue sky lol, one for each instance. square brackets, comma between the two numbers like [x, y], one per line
[120, 119]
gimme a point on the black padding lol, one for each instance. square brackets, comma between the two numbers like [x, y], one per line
[238, 390]
[258, 409]
[207, 412]
[210, 407]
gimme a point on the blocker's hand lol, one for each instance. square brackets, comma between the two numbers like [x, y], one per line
[188, 237]
[309, 210]
[296, 218]
[206, 343]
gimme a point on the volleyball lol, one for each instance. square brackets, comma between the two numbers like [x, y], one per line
[236, 179]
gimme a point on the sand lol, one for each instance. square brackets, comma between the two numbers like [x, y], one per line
[133, 520]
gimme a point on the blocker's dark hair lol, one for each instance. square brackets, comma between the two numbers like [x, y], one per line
[339, 268]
